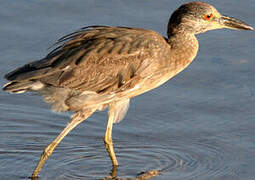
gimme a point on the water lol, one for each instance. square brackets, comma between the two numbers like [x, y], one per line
[199, 125]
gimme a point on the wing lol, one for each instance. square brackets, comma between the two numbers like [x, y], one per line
[96, 58]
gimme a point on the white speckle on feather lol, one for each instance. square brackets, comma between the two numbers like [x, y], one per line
[19, 92]
[37, 85]
[67, 67]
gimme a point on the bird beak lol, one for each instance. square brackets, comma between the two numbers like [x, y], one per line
[232, 23]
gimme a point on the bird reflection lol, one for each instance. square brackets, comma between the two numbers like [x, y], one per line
[140, 176]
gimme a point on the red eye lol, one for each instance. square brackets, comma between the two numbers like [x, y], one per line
[207, 17]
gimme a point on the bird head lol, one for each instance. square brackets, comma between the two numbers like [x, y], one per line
[198, 17]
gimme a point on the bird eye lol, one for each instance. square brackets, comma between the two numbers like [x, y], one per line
[208, 17]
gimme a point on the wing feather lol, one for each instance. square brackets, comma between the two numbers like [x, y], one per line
[95, 58]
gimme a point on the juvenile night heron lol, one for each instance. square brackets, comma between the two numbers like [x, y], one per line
[101, 66]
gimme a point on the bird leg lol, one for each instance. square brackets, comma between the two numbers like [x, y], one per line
[108, 134]
[77, 118]
[114, 171]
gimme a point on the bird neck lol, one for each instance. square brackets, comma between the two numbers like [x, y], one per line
[184, 45]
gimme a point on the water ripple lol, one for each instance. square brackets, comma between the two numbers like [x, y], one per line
[180, 159]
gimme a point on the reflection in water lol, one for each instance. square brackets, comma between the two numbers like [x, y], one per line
[141, 176]
[113, 175]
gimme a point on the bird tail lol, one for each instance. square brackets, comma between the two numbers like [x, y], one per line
[21, 87]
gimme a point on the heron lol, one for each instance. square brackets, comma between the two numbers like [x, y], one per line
[99, 67]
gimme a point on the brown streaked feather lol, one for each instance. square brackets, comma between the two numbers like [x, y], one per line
[95, 58]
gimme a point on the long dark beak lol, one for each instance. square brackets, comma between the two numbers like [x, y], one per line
[232, 23]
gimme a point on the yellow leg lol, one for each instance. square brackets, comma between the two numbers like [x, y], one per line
[114, 171]
[108, 135]
[76, 119]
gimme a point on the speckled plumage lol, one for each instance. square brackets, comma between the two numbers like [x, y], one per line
[105, 60]
[98, 59]
[101, 66]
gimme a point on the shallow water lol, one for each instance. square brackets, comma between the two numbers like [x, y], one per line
[199, 125]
